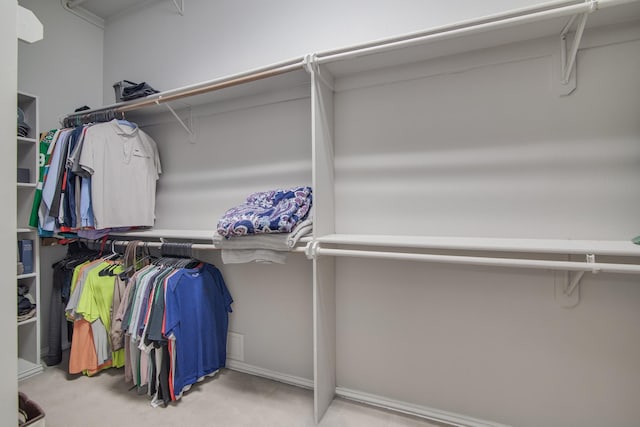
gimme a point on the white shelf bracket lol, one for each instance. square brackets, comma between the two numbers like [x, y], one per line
[311, 250]
[310, 63]
[568, 54]
[567, 285]
[188, 129]
[179, 7]
[311, 66]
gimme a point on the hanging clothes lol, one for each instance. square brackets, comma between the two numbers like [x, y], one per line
[77, 253]
[124, 165]
[89, 307]
[97, 178]
[174, 317]
[43, 160]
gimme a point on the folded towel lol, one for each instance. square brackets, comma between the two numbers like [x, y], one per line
[261, 248]
[276, 211]
[243, 256]
[302, 229]
[272, 241]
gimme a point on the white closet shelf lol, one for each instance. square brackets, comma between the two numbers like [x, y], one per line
[547, 246]
[26, 184]
[169, 234]
[190, 235]
[24, 140]
[265, 80]
[27, 369]
[33, 319]
[545, 20]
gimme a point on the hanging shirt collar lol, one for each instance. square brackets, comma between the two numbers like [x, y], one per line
[122, 127]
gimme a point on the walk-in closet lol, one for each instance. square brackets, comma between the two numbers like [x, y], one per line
[377, 213]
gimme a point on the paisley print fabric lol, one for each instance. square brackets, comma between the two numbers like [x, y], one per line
[275, 211]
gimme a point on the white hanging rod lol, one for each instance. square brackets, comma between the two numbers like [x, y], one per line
[74, 6]
[593, 267]
[217, 85]
[200, 88]
[488, 244]
[194, 246]
[464, 28]
[73, 3]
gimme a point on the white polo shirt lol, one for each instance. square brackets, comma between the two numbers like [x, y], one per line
[124, 165]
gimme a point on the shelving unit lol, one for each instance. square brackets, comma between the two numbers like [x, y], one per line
[434, 150]
[29, 363]
[402, 112]
[381, 179]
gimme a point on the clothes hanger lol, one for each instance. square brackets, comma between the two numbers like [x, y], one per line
[108, 271]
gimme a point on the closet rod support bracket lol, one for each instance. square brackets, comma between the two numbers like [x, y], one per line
[310, 63]
[188, 129]
[311, 250]
[567, 285]
[567, 58]
[179, 7]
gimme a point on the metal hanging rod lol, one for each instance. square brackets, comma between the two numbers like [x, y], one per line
[313, 250]
[465, 28]
[93, 117]
[200, 88]
[194, 246]
[74, 3]
[488, 244]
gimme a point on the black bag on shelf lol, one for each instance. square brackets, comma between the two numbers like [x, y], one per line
[127, 90]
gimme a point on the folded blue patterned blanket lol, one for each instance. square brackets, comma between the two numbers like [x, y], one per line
[276, 211]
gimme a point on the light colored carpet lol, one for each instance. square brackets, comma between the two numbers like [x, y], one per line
[229, 399]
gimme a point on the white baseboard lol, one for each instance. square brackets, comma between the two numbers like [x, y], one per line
[266, 373]
[449, 418]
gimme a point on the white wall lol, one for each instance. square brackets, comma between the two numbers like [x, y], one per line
[489, 343]
[65, 71]
[481, 145]
[239, 150]
[8, 311]
[484, 342]
[217, 38]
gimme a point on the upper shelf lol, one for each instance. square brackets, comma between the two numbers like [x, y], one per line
[265, 80]
[496, 30]
[556, 246]
[543, 20]
[206, 235]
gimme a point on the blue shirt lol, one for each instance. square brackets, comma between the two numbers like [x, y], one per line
[86, 208]
[196, 313]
